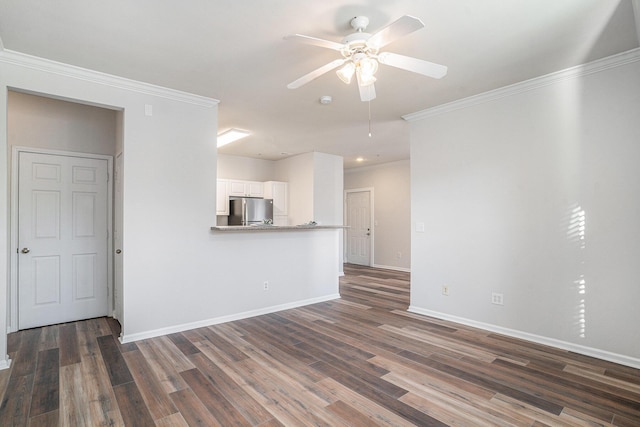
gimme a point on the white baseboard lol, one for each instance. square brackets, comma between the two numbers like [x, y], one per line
[223, 319]
[390, 267]
[5, 364]
[552, 342]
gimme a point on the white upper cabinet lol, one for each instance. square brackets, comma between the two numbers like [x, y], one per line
[279, 192]
[256, 189]
[245, 189]
[222, 197]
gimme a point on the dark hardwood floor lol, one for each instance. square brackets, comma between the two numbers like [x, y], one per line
[358, 361]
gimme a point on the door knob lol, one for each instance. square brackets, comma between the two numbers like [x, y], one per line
[118, 251]
[25, 250]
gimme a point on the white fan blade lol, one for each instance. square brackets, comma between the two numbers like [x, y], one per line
[314, 41]
[316, 73]
[401, 27]
[368, 92]
[408, 63]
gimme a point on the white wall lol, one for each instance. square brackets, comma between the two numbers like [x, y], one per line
[327, 189]
[177, 273]
[4, 226]
[315, 187]
[39, 122]
[500, 184]
[391, 211]
[245, 168]
[298, 172]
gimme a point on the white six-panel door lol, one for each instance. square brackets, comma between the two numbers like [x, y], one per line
[63, 241]
[359, 231]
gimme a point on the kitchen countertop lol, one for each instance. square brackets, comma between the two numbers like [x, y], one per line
[245, 228]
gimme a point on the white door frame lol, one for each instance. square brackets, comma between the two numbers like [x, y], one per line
[117, 237]
[13, 250]
[371, 221]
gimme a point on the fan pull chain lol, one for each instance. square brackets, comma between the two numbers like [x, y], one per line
[369, 118]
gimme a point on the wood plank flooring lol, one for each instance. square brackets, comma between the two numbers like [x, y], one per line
[358, 361]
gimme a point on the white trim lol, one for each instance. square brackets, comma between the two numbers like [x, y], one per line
[532, 84]
[5, 364]
[366, 168]
[124, 339]
[13, 220]
[552, 342]
[392, 267]
[371, 222]
[636, 14]
[33, 62]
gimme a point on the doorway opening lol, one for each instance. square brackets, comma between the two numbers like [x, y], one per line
[57, 138]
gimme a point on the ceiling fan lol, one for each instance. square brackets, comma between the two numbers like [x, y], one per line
[361, 55]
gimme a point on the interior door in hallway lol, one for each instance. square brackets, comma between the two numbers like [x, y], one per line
[63, 241]
[359, 231]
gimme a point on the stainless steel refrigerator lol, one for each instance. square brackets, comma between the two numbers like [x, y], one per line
[249, 211]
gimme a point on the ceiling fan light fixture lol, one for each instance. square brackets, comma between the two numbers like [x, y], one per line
[231, 135]
[346, 73]
[368, 66]
[364, 78]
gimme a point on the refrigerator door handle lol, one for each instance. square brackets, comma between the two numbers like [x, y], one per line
[244, 212]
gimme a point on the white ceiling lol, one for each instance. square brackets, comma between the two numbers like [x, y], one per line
[234, 51]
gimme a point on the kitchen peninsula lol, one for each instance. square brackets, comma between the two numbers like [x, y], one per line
[279, 267]
[258, 228]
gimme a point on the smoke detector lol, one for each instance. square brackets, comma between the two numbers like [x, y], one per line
[325, 100]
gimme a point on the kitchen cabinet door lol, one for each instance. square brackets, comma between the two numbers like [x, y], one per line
[246, 189]
[236, 188]
[254, 189]
[279, 192]
[222, 197]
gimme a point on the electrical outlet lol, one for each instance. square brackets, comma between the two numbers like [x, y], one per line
[445, 290]
[265, 286]
[399, 254]
[497, 298]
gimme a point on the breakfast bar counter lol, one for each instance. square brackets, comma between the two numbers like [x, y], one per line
[260, 228]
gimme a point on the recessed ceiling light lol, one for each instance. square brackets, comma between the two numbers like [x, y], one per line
[230, 135]
[359, 159]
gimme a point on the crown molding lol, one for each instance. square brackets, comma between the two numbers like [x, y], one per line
[52, 67]
[367, 168]
[528, 85]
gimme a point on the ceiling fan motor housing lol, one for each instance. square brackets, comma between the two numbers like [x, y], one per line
[357, 43]
[359, 23]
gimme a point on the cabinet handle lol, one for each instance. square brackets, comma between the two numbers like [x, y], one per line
[118, 251]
